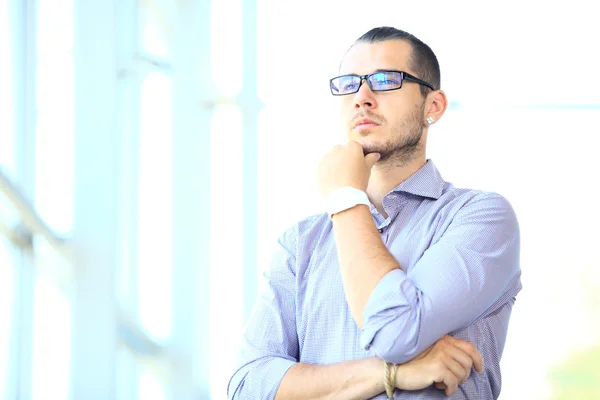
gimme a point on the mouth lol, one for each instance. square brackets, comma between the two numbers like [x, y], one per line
[365, 124]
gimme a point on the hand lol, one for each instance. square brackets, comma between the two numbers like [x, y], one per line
[346, 165]
[447, 364]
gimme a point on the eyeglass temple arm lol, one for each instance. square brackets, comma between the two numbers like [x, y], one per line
[409, 77]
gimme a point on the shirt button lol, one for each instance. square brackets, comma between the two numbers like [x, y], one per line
[380, 230]
[368, 347]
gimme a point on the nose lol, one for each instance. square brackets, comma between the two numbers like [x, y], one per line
[365, 97]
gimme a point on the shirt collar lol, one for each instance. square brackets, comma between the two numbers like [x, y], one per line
[426, 182]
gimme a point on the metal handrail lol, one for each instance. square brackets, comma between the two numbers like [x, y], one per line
[32, 223]
[131, 333]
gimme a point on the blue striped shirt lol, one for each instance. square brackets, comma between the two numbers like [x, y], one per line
[459, 253]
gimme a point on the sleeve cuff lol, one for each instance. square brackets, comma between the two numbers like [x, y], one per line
[262, 380]
[275, 370]
[382, 306]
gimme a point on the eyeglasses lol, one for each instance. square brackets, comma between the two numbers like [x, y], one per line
[379, 81]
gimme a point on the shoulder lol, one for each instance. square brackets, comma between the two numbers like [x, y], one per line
[471, 203]
[480, 219]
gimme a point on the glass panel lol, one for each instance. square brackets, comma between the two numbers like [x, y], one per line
[152, 380]
[226, 244]
[226, 46]
[156, 25]
[7, 111]
[51, 341]
[54, 131]
[7, 299]
[155, 206]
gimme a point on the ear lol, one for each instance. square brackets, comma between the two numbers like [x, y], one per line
[436, 104]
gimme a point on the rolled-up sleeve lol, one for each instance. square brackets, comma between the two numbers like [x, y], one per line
[270, 343]
[472, 270]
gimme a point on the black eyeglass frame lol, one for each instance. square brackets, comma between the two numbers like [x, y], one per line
[403, 76]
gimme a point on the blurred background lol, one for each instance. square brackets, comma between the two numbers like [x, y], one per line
[152, 151]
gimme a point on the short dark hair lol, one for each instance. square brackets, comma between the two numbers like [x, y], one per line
[423, 60]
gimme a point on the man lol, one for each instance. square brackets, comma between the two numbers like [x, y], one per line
[406, 285]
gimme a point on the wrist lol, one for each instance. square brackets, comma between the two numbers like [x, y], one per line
[345, 198]
[400, 376]
[390, 378]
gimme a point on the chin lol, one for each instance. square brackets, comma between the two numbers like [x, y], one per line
[369, 146]
[367, 141]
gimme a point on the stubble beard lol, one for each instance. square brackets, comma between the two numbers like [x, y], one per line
[404, 144]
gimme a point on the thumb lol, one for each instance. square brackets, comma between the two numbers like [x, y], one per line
[371, 159]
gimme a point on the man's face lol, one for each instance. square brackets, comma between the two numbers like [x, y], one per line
[397, 115]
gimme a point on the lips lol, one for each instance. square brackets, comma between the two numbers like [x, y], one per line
[365, 123]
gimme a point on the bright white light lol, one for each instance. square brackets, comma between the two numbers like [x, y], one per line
[226, 242]
[54, 155]
[155, 206]
[7, 111]
[156, 20]
[51, 359]
[151, 385]
[7, 292]
[226, 46]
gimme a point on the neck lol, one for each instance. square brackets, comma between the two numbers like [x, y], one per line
[387, 176]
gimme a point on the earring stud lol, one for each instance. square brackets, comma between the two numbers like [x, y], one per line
[429, 120]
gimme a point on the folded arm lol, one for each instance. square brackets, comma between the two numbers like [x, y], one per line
[464, 274]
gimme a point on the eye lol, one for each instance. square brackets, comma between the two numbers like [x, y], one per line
[351, 86]
[345, 84]
[386, 80]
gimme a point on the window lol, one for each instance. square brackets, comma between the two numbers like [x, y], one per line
[51, 332]
[226, 244]
[54, 114]
[7, 301]
[7, 79]
[155, 27]
[146, 270]
[226, 46]
[48, 272]
[155, 206]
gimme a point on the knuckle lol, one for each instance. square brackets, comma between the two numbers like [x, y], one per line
[441, 344]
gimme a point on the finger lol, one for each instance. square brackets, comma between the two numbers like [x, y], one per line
[451, 382]
[462, 358]
[371, 159]
[471, 350]
[355, 146]
[441, 386]
[457, 369]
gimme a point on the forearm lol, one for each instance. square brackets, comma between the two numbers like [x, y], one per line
[362, 255]
[357, 379]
